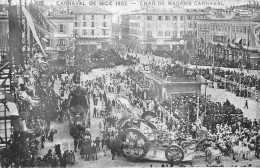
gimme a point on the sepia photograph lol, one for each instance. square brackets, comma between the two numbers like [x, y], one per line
[129, 83]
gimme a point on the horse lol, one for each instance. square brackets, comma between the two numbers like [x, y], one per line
[86, 150]
[212, 151]
[76, 130]
[240, 150]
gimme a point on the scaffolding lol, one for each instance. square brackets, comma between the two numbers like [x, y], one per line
[6, 90]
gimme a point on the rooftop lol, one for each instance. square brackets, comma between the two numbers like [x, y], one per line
[61, 16]
[174, 11]
[89, 10]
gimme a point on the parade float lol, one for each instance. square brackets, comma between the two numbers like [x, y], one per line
[141, 138]
[78, 113]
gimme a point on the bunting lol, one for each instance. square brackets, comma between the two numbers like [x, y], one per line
[32, 26]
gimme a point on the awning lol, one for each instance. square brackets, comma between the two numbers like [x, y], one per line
[12, 112]
[160, 42]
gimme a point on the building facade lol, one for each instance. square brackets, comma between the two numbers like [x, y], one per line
[230, 37]
[61, 43]
[4, 27]
[159, 29]
[92, 29]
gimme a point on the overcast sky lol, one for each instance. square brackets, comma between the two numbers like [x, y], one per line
[136, 4]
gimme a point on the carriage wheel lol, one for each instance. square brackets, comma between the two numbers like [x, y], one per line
[135, 144]
[148, 115]
[151, 125]
[174, 153]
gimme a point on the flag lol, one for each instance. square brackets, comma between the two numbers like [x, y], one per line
[32, 26]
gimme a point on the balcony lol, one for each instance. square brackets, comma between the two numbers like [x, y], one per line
[50, 48]
[62, 48]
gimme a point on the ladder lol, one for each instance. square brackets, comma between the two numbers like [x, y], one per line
[6, 88]
[5, 121]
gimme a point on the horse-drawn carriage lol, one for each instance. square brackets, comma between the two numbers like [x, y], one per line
[141, 139]
[78, 112]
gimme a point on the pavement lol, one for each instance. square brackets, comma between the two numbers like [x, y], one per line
[66, 141]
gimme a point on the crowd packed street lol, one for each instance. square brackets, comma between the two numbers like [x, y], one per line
[155, 88]
[104, 85]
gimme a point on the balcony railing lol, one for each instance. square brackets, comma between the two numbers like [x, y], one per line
[62, 48]
[50, 48]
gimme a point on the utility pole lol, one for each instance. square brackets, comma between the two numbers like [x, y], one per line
[26, 36]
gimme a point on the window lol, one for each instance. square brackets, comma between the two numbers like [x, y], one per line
[167, 33]
[182, 18]
[189, 17]
[49, 43]
[167, 17]
[244, 42]
[245, 29]
[149, 33]
[174, 34]
[61, 28]
[160, 18]
[76, 17]
[76, 24]
[175, 25]
[84, 17]
[61, 42]
[76, 32]
[174, 18]
[105, 33]
[160, 33]
[92, 32]
[181, 33]
[149, 25]
[195, 25]
[92, 24]
[189, 26]
[233, 29]
[104, 16]
[84, 24]
[92, 17]
[84, 32]
[149, 18]
[104, 24]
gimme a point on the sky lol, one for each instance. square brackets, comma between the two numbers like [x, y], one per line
[130, 5]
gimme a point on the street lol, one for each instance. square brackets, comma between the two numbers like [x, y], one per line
[66, 141]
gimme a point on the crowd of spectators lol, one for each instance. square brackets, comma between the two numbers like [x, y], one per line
[226, 124]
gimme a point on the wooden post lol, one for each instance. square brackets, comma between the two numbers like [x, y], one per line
[26, 36]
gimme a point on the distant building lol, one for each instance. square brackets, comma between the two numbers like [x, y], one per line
[159, 29]
[61, 43]
[92, 29]
[230, 36]
[4, 26]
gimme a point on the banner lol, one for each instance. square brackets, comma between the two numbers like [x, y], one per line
[32, 26]
[257, 36]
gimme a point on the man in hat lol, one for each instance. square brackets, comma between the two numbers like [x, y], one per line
[42, 140]
[94, 151]
[97, 142]
[246, 104]
[255, 124]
